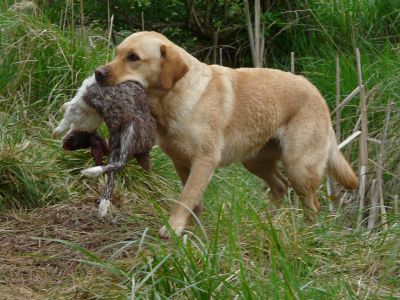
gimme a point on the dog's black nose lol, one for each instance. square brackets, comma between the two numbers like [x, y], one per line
[101, 75]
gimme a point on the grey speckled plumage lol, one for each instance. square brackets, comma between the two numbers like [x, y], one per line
[126, 112]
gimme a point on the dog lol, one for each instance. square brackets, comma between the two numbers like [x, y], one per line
[209, 116]
[131, 127]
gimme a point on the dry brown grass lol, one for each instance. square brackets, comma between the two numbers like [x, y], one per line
[31, 268]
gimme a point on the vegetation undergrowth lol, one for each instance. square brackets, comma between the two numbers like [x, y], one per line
[238, 252]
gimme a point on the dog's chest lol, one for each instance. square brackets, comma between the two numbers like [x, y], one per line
[179, 140]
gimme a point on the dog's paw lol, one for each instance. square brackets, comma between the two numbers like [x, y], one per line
[164, 234]
[93, 172]
[104, 207]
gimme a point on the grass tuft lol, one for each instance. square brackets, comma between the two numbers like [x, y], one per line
[239, 252]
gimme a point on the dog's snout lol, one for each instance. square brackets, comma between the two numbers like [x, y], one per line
[101, 75]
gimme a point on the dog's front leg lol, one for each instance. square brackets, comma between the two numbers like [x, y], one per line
[201, 172]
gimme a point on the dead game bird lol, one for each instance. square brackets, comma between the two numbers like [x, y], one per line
[125, 110]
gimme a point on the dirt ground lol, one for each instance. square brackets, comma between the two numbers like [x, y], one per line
[31, 266]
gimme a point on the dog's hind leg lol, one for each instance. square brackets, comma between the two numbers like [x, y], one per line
[265, 166]
[305, 156]
[305, 179]
[268, 171]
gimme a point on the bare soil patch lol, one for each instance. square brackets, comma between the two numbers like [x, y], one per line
[31, 266]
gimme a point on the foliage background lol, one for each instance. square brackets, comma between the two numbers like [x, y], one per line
[47, 49]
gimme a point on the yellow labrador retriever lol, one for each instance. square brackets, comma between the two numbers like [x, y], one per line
[210, 116]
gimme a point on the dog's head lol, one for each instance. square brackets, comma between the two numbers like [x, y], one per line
[147, 57]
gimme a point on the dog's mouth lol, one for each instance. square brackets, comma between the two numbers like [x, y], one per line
[113, 83]
[106, 78]
[137, 82]
[106, 82]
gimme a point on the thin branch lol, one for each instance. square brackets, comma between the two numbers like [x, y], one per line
[257, 32]
[349, 139]
[363, 140]
[262, 64]
[380, 166]
[330, 194]
[292, 62]
[346, 100]
[339, 112]
[373, 213]
[215, 47]
[249, 29]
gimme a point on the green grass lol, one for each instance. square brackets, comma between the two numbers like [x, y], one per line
[244, 254]
[238, 252]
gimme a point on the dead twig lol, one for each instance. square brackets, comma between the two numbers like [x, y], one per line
[379, 166]
[373, 212]
[249, 29]
[292, 62]
[349, 139]
[339, 111]
[256, 36]
[346, 100]
[363, 141]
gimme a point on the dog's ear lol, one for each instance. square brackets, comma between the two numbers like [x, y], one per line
[173, 68]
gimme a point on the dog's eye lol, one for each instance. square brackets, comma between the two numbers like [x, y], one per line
[133, 57]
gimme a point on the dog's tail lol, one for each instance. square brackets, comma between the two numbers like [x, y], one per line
[339, 168]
